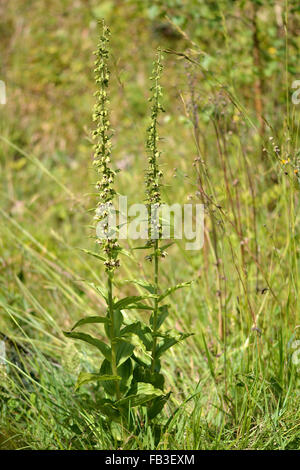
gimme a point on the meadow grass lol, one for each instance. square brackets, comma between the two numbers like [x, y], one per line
[234, 382]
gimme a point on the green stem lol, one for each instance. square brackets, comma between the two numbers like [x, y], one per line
[112, 333]
[155, 312]
[156, 241]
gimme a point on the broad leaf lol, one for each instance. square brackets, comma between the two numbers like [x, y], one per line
[87, 377]
[141, 330]
[141, 355]
[107, 407]
[117, 431]
[157, 405]
[129, 329]
[124, 350]
[124, 371]
[140, 394]
[163, 312]
[144, 374]
[105, 350]
[117, 321]
[170, 341]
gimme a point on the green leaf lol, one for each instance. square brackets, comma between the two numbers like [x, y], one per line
[87, 377]
[124, 351]
[99, 290]
[173, 289]
[109, 386]
[107, 407]
[144, 247]
[117, 431]
[131, 300]
[124, 252]
[139, 306]
[141, 338]
[164, 247]
[157, 405]
[144, 334]
[124, 371]
[141, 357]
[92, 253]
[132, 328]
[162, 315]
[117, 322]
[144, 374]
[141, 330]
[140, 394]
[170, 341]
[149, 287]
[86, 320]
[105, 350]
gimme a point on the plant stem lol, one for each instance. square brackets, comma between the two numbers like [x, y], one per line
[153, 191]
[155, 312]
[112, 333]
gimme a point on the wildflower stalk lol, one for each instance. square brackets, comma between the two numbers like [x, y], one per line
[127, 379]
[112, 330]
[102, 160]
[155, 305]
[153, 176]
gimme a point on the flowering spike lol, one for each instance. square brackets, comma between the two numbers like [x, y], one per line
[153, 174]
[102, 150]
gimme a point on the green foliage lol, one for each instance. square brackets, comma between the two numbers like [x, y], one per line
[85, 321]
[127, 378]
[86, 377]
[102, 347]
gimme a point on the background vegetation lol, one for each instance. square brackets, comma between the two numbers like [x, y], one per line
[230, 139]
